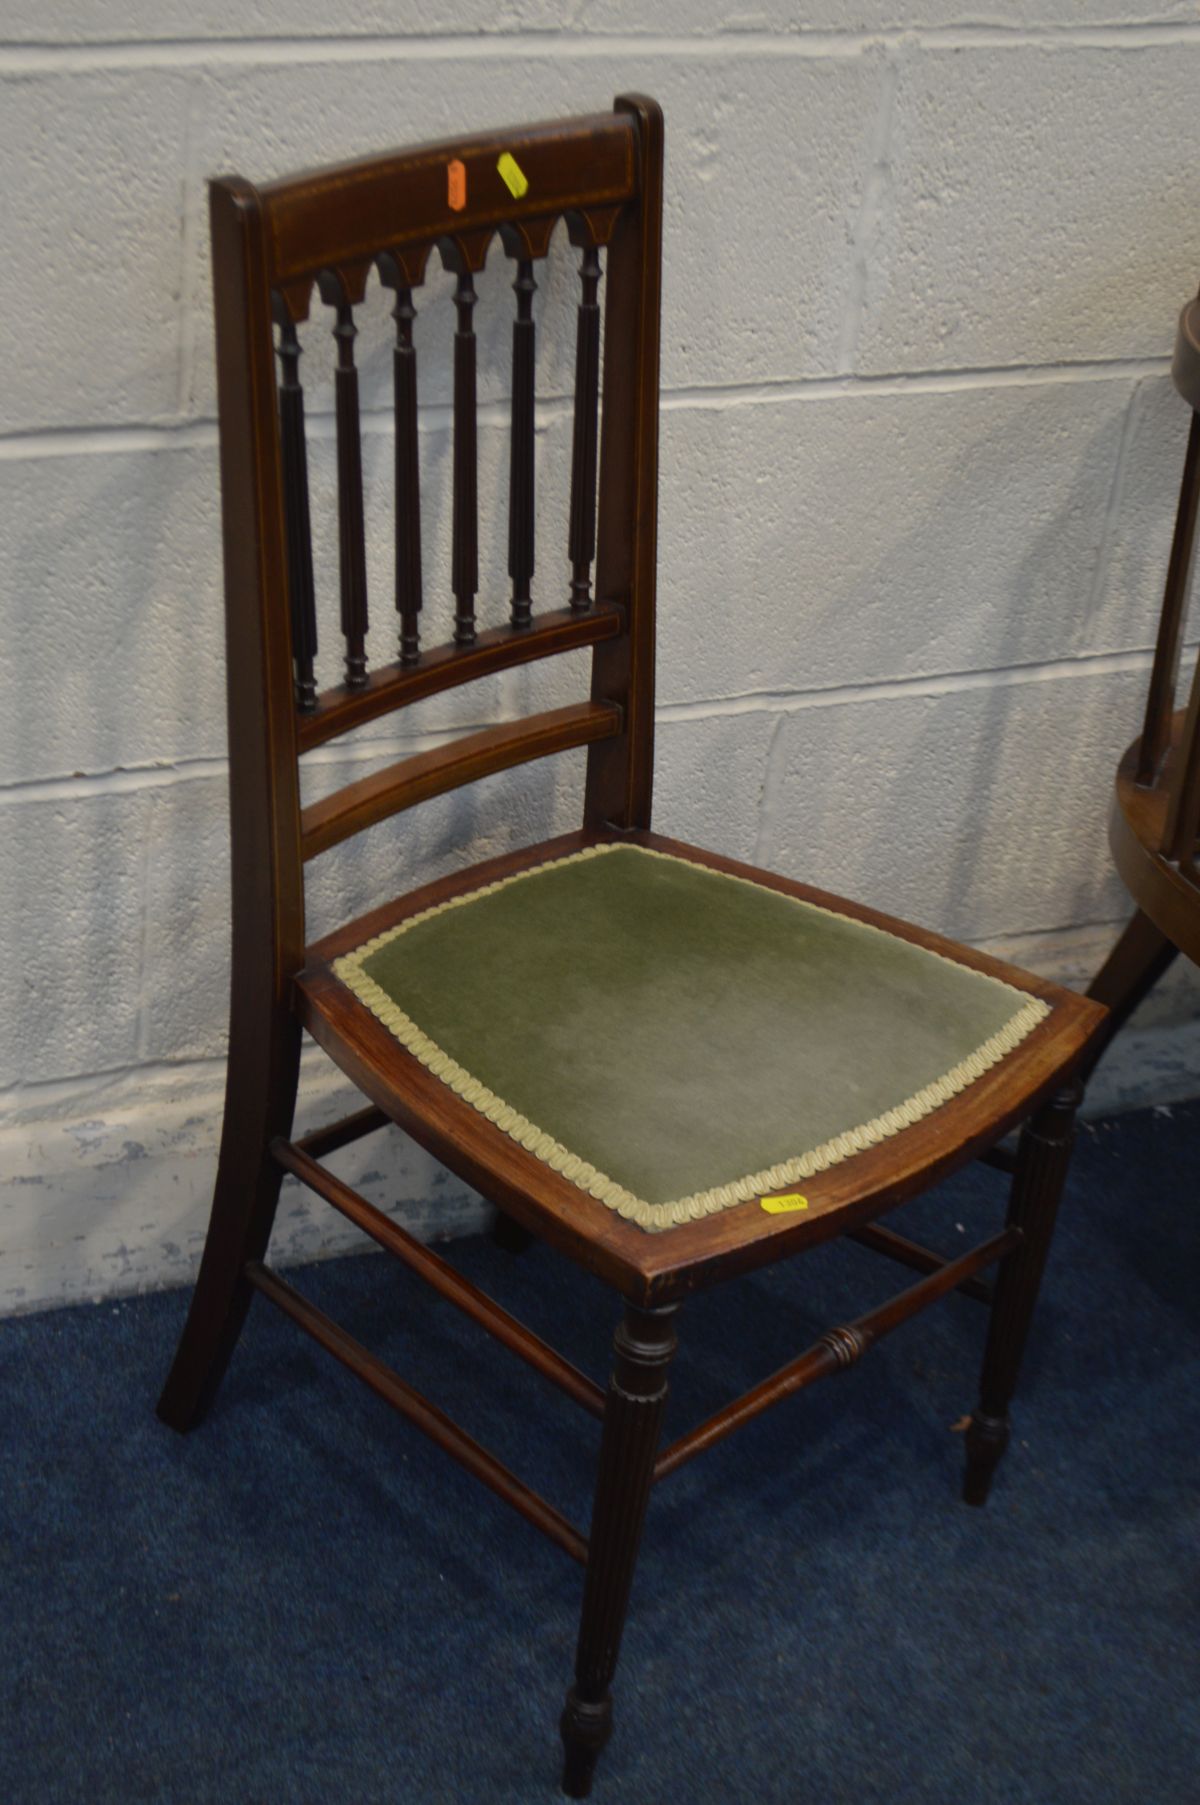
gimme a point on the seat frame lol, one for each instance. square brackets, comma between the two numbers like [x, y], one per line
[271, 246]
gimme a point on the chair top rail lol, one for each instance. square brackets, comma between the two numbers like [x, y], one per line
[340, 218]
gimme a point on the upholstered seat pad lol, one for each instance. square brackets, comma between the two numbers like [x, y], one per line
[679, 1033]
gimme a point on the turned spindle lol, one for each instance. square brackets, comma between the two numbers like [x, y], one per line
[408, 480]
[297, 526]
[582, 544]
[520, 488]
[352, 550]
[465, 553]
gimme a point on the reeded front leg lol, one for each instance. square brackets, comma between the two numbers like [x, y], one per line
[637, 1397]
[1043, 1155]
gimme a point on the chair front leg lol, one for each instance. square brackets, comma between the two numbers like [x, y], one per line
[1043, 1155]
[637, 1395]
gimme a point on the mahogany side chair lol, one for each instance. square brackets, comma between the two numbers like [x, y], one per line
[672, 1067]
[1154, 824]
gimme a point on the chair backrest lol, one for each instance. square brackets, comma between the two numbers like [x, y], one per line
[318, 234]
[1169, 752]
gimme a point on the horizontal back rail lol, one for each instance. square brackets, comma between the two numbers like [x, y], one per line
[427, 774]
[447, 666]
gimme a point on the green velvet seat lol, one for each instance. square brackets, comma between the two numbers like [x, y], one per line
[673, 1039]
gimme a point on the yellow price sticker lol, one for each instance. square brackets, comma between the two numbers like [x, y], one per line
[779, 1206]
[513, 176]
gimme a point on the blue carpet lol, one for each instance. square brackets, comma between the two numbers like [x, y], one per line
[304, 1601]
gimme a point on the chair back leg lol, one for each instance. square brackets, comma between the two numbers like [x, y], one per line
[1043, 1156]
[637, 1396]
[260, 1098]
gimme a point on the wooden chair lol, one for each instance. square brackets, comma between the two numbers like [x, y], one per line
[639, 1050]
[1154, 825]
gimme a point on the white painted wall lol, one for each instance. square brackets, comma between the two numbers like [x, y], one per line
[919, 454]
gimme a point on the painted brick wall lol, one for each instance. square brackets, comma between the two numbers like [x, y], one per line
[924, 259]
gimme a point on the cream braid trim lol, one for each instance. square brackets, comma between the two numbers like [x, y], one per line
[655, 1217]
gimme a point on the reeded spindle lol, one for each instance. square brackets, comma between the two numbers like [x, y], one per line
[296, 517]
[582, 547]
[465, 554]
[520, 487]
[408, 481]
[352, 551]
